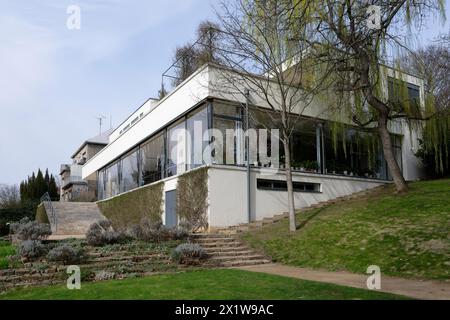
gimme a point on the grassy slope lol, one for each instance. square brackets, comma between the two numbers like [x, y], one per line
[406, 235]
[6, 250]
[209, 284]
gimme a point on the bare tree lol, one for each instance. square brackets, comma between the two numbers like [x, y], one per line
[9, 196]
[432, 63]
[257, 66]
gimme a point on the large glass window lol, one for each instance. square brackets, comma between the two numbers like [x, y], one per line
[129, 177]
[354, 153]
[197, 139]
[261, 119]
[401, 92]
[101, 185]
[304, 145]
[112, 180]
[229, 136]
[152, 160]
[176, 148]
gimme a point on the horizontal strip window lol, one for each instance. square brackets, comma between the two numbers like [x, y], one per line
[280, 185]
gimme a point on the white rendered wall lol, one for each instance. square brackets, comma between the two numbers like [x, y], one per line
[228, 195]
[149, 105]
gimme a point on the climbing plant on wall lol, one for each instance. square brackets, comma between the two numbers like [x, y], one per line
[130, 208]
[192, 199]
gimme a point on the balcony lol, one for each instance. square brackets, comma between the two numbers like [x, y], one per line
[73, 175]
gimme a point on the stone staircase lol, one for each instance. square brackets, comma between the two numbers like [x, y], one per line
[73, 219]
[228, 251]
[260, 223]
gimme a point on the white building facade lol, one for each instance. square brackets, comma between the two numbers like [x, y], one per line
[190, 128]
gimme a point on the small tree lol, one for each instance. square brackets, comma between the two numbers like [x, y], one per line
[189, 57]
[257, 58]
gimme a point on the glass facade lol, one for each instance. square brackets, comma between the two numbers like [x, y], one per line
[197, 139]
[214, 133]
[112, 180]
[176, 148]
[129, 173]
[304, 146]
[227, 135]
[152, 159]
[354, 153]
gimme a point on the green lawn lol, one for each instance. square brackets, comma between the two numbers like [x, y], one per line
[207, 284]
[6, 249]
[406, 235]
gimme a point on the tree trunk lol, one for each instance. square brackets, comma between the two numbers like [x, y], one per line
[290, 188]
[389, 156]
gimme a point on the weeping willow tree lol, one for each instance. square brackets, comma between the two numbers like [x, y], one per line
[432, 63]
[260, 61]
[352, 40]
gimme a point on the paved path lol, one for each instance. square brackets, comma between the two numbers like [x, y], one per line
[419, 289]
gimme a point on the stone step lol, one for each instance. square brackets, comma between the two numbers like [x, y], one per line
[226, 249]
[221, 245]
[215, 239]
[228, 253]
[237, 258]
[239, 263]
[74, 218]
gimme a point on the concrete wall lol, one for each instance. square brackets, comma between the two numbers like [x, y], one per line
[228, 195]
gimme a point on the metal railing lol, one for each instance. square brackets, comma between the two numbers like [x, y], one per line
[47, 202]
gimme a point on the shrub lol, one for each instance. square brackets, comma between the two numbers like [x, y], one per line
[155, 231]
[148, 230]
[66, 254]
[101, 233]
[179, 233]
[188, 253]
[31, 249]
[26, 229]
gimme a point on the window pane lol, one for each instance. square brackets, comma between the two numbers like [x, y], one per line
[112, 180]
[361, 157]
[265, 119]
[176, 149]
[304, 141]
[130, 174]
[152, 159]
[228, 146]
[227, 109]
[101, 185]
[197, 126]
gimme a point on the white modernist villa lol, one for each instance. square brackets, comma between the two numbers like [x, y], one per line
[149, 147]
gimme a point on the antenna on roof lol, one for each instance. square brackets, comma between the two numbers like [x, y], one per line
[100, 121]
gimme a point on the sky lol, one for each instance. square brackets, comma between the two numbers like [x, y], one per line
[54, 81]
